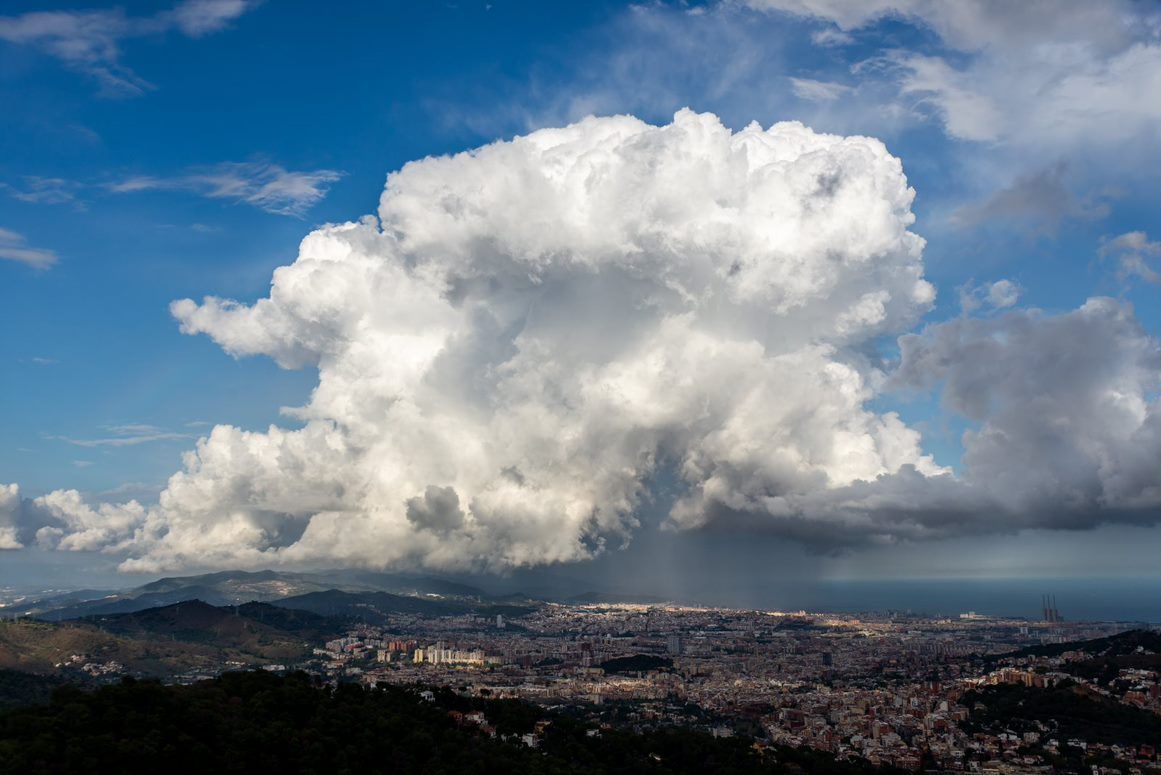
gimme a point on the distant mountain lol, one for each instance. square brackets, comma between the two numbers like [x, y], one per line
[226, 588]
[596, 598]
[378, 607]
[63, 599]
[400, 584]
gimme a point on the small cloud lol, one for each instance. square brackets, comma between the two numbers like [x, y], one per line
[818, 91]
[82, 463]
[13, 247]
[1003, 293]
[831, 36]
[1132, 251]
[196, 18]
[998, 295]
[1040, 201]
[42, 361]
[134, 184]
[267, 186]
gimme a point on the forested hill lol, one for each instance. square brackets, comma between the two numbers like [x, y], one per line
[258, 722]
[1121, 644]
[162, 641]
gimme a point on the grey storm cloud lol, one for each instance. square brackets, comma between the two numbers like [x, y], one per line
[437, 509]
[1066, 410]
[1038, 201]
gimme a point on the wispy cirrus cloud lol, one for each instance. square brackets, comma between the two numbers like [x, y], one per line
[14, 247]
[126, 435]
[45, 191]
[89, 41]
[264, 185]
[818, 91]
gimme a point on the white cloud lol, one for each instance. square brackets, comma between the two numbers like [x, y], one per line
[1044, 76]
[1132, 252]
[818, 91]
[266, 186]
[76, 526]
[10, 506]
[14, 247]
[531, 330]
[831, 37]
[89, 41]
[63, 520]
[1003, 293]
[201, 17]
[998, 295]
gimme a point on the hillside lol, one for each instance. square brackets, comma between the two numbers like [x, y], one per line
[1067, 710]
[1122, 644]
[256, 628]
[167, 639]
[38, 647]
[19, 689]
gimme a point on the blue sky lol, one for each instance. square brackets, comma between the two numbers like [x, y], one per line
[359, 93]
[182, 156]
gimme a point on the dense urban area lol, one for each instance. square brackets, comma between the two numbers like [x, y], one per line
[892, 690]
[968, 693]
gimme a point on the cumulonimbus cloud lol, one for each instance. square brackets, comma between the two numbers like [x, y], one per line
[530, 331]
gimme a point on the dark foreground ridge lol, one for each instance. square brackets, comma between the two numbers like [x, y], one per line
[259, 722]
